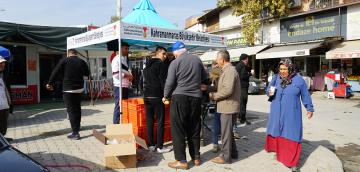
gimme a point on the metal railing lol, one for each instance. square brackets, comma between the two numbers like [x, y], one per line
[319, 4]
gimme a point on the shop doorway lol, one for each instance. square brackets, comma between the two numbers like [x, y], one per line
[47, 64]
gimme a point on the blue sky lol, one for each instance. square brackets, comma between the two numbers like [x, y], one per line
[96, 12]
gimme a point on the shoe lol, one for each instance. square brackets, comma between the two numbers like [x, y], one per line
[178, 165]
[196, 162]
[294, 169]
[219, 160]
[9, 139]
[164, 149]
[245, 122]
[202, 143]
[215, 148]
[152, 148]
[237, 136]
[74, 136]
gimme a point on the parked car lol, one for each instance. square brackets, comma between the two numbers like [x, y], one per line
[256, 86]
[12, 160]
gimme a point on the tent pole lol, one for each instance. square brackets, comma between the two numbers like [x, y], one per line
[120, 63]
[90, 83]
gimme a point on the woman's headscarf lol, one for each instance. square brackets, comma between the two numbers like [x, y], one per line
[285, 81]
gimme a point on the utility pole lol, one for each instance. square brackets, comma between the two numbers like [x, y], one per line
[118, 8]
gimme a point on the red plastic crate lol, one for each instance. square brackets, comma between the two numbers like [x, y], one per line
[167, 133]
[137, 117]
[167, 114]
[133, 112]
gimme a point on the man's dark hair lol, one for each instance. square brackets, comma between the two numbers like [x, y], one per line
[124, 44]
[159, 48]
[244, 56]
[72, 51]
[225, 55]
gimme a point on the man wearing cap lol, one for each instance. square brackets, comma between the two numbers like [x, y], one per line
[72, 70]
[125, 79]
[5, 101]
[244, 74]
[183, 85]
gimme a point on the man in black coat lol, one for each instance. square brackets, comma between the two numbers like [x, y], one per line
[72, 70]
[154, 77]
[244, 74]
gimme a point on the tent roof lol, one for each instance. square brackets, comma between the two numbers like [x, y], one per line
[144, 13]
[144, 37]
[48, 36]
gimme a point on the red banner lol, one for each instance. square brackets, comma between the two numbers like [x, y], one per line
[24, 95]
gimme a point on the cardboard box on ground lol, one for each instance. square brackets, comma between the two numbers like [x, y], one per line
[119, 145]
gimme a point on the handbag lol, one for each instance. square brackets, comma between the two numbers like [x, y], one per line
[271, 98]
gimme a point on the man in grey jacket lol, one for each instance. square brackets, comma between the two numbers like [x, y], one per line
[228, 104]
[182, 85]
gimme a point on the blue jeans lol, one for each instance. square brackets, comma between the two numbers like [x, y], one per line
[216, 128]
[124, 95]
[116, 118]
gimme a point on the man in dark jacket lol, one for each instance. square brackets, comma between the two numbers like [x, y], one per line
[183, 83]
[72, 70]
[244, 74]
[154, 80]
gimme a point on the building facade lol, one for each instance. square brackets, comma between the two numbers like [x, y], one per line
[312, 35]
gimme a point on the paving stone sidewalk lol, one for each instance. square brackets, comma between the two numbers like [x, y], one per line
[42, 135]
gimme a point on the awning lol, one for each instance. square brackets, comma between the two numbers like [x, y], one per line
[234, 53]
[288, 51]
[48, 36]
[345, 50]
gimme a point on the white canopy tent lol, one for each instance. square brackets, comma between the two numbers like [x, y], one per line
[142, 37]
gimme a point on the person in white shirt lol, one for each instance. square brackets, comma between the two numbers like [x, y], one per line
[126, 79]
[4, 99]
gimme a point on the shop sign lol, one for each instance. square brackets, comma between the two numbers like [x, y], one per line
[143, 34]
[154, 34]
[236, 42]
[24, 95]
[32, 65]
[104, 34]
[313, 26]
[300, 53]
[346, 55]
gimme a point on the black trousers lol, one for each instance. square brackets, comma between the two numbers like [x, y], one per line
[155, 107]
[243, 103]
[185, 112]
[73, 107]
[4, 114]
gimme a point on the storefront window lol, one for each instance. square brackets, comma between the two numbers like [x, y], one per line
[312, 66]
[17, 65]
[325, 63]
[356, 67]
[299, 64]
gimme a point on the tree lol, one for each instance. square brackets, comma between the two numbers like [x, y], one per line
[114, 19]
[252, 12]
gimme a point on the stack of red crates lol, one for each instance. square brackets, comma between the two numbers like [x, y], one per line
[134, 113]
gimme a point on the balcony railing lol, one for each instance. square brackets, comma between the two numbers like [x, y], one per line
[320, 4]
